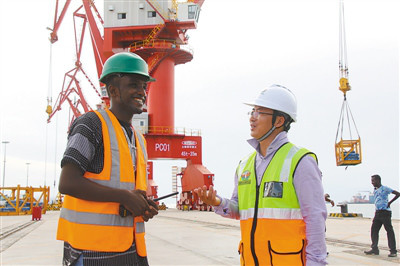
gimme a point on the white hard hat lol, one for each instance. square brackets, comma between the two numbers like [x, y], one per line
[277, 97]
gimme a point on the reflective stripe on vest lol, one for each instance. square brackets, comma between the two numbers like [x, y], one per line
[284, 176]
[97, 226]
[274, 213]
[115, 159]
[95, 218]
[279, 231]
[140, 227]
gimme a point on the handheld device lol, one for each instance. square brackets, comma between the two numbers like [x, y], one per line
[123, 212]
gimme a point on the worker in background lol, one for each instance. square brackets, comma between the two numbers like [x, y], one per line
[278, 195]
[103, 168]
[328, 199]
[383, 215]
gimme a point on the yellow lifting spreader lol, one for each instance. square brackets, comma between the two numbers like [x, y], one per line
[348, 150]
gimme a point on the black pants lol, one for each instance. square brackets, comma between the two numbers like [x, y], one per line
[385, 218]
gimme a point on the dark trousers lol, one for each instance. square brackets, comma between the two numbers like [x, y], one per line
[384, 218]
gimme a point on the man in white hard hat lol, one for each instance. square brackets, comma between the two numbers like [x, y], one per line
[278, 195]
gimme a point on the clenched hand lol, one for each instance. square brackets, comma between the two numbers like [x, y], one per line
[137, 203]
[153, 210]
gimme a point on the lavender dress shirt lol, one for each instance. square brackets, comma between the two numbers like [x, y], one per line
[310, 193]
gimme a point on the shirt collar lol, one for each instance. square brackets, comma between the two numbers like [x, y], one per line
[279, 140]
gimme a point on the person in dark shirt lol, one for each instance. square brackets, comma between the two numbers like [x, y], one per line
[104, 168]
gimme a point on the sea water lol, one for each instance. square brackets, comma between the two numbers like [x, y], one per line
[367, 210]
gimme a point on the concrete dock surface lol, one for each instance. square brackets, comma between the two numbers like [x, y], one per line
[187, 238]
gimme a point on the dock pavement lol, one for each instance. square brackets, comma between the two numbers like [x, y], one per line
[187, 238]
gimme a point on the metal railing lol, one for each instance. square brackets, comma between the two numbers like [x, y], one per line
[159, 43]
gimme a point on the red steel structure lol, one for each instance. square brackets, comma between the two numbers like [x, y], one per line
[159, 39]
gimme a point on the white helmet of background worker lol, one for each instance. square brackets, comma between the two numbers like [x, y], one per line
[278, 98]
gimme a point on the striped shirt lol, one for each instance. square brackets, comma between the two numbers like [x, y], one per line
[85, 149]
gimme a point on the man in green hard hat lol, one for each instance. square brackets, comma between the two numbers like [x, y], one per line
[104, 170]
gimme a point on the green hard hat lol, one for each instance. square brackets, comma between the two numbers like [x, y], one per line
[125, 62]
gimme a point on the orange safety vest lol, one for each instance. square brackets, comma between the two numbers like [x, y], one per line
[97, 226]
[272, 228]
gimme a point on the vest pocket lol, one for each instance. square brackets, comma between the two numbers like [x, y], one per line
[280, 255]
[240, 251]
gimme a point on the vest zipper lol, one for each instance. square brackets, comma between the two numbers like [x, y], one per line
[254, 225]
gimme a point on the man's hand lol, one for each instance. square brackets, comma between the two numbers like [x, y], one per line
[332, 203]
[136, 202]
[397, 195]
[209, 197]
[153, 210]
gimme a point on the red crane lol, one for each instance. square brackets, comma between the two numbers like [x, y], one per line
[157, 31]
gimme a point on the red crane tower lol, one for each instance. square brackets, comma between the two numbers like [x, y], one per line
[157, 31]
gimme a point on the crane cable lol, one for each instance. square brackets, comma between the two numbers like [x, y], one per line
[48, 109]
[345, 112]
[343, 75]
[343, 67]
[49, 102]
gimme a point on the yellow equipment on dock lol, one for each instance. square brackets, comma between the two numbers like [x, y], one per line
[56, 204]
[21, 200]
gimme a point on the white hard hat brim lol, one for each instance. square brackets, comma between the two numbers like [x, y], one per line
[250, 104]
